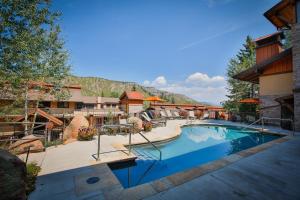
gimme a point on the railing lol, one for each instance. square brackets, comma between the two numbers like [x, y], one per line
[160, 153]
[262, 120]
[130, 126]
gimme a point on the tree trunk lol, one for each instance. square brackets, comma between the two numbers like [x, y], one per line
[34, 117]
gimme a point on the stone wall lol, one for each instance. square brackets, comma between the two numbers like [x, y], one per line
[296, 70]
[270, 108]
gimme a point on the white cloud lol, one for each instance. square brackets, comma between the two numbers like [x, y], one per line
[158, 82]
[201, 79]
[198, 86]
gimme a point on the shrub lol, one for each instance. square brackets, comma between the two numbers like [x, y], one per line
[86, 133]
[147, 126]
[32, 171]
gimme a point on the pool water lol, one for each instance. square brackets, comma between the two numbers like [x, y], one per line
[197, 144]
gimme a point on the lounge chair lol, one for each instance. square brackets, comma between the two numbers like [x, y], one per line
[205, 116]
[154, 123]
[163, 114]
[191, 115]
[169, 114]
[177, 116]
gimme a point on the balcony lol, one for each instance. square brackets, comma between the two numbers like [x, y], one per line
[70, 112]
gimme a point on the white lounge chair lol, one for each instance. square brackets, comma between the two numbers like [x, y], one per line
[205, 116]
[163, 114]
[169, 114]
[177, 116]
[191, 115]
[155, 123]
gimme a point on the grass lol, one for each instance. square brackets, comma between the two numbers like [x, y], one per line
[32, 171]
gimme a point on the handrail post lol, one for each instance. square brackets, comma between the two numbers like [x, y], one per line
[262, 124]
[98, 150]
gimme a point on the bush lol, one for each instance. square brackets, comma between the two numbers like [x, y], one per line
[32, 171]
[86, 133]
[147, 126]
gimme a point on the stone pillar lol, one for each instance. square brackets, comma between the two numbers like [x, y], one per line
[270, 108]
[296, 70]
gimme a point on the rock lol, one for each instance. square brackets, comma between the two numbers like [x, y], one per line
[137, 123]
[71, 131]
[21, 146]
[12, 177]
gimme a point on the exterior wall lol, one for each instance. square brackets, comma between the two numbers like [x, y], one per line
[270, 107]
[268, 51]
[296, 69]
[281, 66]
[72, 105]
[279, 84]
[135, 108]
[53, 104]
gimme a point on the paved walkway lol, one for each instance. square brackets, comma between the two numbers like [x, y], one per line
[271, 174]
[79, 153]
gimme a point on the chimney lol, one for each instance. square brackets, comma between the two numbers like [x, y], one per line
[268, 46]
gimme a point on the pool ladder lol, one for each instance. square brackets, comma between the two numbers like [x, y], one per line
[153, 145]
[262, 120]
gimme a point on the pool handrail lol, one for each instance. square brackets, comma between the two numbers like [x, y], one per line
[160, 153]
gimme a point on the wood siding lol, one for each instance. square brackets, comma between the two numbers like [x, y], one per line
[283, 65]
[265, 52]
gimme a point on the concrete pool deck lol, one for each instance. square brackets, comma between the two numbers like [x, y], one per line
[67, 180]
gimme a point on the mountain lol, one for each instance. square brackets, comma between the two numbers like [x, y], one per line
[95, 86]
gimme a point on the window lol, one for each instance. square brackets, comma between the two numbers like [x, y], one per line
[62, 104]
[79, 105]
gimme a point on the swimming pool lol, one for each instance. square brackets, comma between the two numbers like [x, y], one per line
[197, 144]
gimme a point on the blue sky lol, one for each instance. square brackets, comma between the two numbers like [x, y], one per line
[181, 46]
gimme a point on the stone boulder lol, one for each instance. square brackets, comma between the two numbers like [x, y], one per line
[137, 123]
[71, 131]
[21, 146]
[13, 176]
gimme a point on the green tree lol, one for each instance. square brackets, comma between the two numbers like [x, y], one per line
[240, 89]
[134, 87]
[31, 49]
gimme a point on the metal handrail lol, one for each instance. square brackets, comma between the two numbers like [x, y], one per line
[251, 124]
[160, 153]
[270, 118]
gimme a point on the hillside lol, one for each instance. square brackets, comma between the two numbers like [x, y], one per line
[94, 86]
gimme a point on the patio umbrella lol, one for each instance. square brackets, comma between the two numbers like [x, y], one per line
[154, 99]
[250, 101]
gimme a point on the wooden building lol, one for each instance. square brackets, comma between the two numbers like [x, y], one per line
[277, 70]
[132, 102]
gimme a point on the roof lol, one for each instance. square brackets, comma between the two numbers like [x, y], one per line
[270, 38]
[108, 100]
[252, 74]
[43, 114]
[282, 14]
[133, 95]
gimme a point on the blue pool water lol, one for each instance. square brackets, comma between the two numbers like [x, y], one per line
[195, 146]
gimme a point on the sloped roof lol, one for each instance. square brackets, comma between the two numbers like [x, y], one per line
[43, 114]
[282, 14]
[133, 95]
[252, 74]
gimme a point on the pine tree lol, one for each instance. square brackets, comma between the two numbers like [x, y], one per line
[240, 89]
